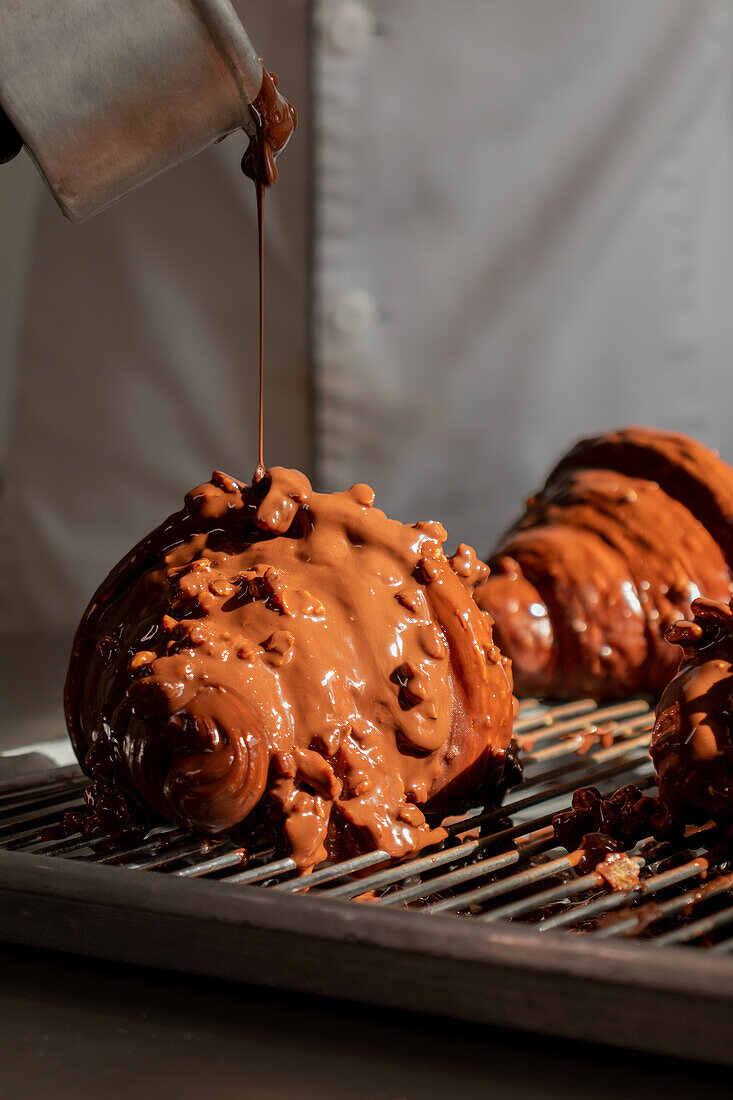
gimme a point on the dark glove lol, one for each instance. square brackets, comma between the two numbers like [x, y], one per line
[10, 140]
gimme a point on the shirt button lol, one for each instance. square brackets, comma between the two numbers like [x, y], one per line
[354, 312]
[350, 27]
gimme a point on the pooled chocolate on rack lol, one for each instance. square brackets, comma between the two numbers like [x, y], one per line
[295, 665]
[691, 747]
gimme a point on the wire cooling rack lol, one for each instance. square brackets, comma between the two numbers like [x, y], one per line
[499, 878]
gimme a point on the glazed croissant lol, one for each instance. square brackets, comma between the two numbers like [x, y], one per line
[692, 742]
[295, 663]
[629, 528]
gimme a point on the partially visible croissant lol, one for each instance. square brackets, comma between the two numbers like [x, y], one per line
[630, 527]
[692, 743]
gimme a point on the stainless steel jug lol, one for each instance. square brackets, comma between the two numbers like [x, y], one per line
[106, 94]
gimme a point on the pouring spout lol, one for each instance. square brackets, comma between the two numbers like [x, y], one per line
[233, 41]
[161, 80]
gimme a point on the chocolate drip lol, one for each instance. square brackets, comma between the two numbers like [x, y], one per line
[297, 662]
[260, 470]
[600, 826]
[629, 528]
[276, 120]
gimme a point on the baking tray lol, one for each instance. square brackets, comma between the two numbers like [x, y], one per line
[496, 925]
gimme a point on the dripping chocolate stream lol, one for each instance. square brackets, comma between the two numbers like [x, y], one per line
[276, 119]
[260, 471]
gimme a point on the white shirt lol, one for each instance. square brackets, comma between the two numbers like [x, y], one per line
[502, 224]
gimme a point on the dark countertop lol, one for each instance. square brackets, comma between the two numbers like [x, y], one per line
[74, 1028]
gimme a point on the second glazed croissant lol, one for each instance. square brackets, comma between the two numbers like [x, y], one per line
[630, 527]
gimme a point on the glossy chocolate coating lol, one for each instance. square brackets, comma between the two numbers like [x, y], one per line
[295, 660]
[692, 743]
[276, 119]
[629, 528]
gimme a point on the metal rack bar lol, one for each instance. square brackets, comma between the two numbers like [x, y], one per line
[498, 865]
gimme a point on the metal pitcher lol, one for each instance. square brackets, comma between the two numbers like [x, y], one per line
[106, 94]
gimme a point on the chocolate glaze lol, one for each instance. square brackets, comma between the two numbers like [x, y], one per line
[296, 661]
[629, 528]
[276, 120]
[109, 813]
[601, 825]
[692, 742]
